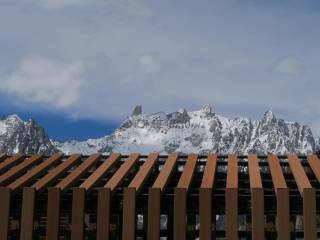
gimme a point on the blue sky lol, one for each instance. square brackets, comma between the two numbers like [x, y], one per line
[79, 67]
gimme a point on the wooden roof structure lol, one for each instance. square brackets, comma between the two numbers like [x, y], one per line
[151, 196]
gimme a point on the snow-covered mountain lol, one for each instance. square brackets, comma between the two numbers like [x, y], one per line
[17, 136]
[201, 131]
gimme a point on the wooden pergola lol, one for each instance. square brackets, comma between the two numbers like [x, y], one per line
[152, 196]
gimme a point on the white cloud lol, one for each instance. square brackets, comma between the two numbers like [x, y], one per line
[148, 64]
[289, 66]
[45, 81]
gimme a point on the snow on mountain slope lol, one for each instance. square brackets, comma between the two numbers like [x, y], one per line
[199, 131]
[17, 136]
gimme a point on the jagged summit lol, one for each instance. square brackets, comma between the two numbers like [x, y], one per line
[17, 136]
[201, 131]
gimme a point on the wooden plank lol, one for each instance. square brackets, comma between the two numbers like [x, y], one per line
[122, 172]
[78, 203]
[166, 171]
[55, 173]
[276, 172]
[53, 213]
[309, 214]
[205, 198]
[129, 214]
[25, 179]
[231, 201]
[27, 214]
[257, 198]
[314, 163]
[282, 194]
[103, 214]
[143, 173]
[100, 172]
[209, 172]
[283, 213]
[3, 156]
[76, 174]
[298, 173]
[188, 171]
[9, 162]
[180, 208]
[19, 169]
[4, 212]
[205, 213]
[154, 196]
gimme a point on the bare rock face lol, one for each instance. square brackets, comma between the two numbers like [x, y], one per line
[201, 131]
[137, 110]
[17, 136]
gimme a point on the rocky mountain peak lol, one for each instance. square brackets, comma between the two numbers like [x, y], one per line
[17, 136]
[137, 110]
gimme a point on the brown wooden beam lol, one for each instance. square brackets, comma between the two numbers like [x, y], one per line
[205, 213]
[231, 201]
[53, 213]
[180, 207]
[205, 198]
[76, 174]
[314, 163]
[166, 171]
[35, 172]
[143, 173]
[188, 171]
[27, 213]
[3, 156]
[129, 214]
[308, 196]
[45, 181]
[309, 214]
[19, 169]
[100, 172]
[257, 198]
[12, 161]
[103, 214]
[282, 194]
[78, 205]
[122, 172]
[154, 207]
[4, 212]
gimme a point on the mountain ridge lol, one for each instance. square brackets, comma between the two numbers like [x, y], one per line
[202, 131]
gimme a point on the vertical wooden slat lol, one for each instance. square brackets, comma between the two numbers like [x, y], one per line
[309, 214]
[78, 202]
[232, 199]
[205, 213]
[103, 213]
[154, 206]
[180, 202]
[308, 197]
[180, 197]
[282, 194]
[257, 198]
[27, 214]
[129, 214]
[4, 212]
[154, 213]
[283, 213]
[53, 213]
[205, 198]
